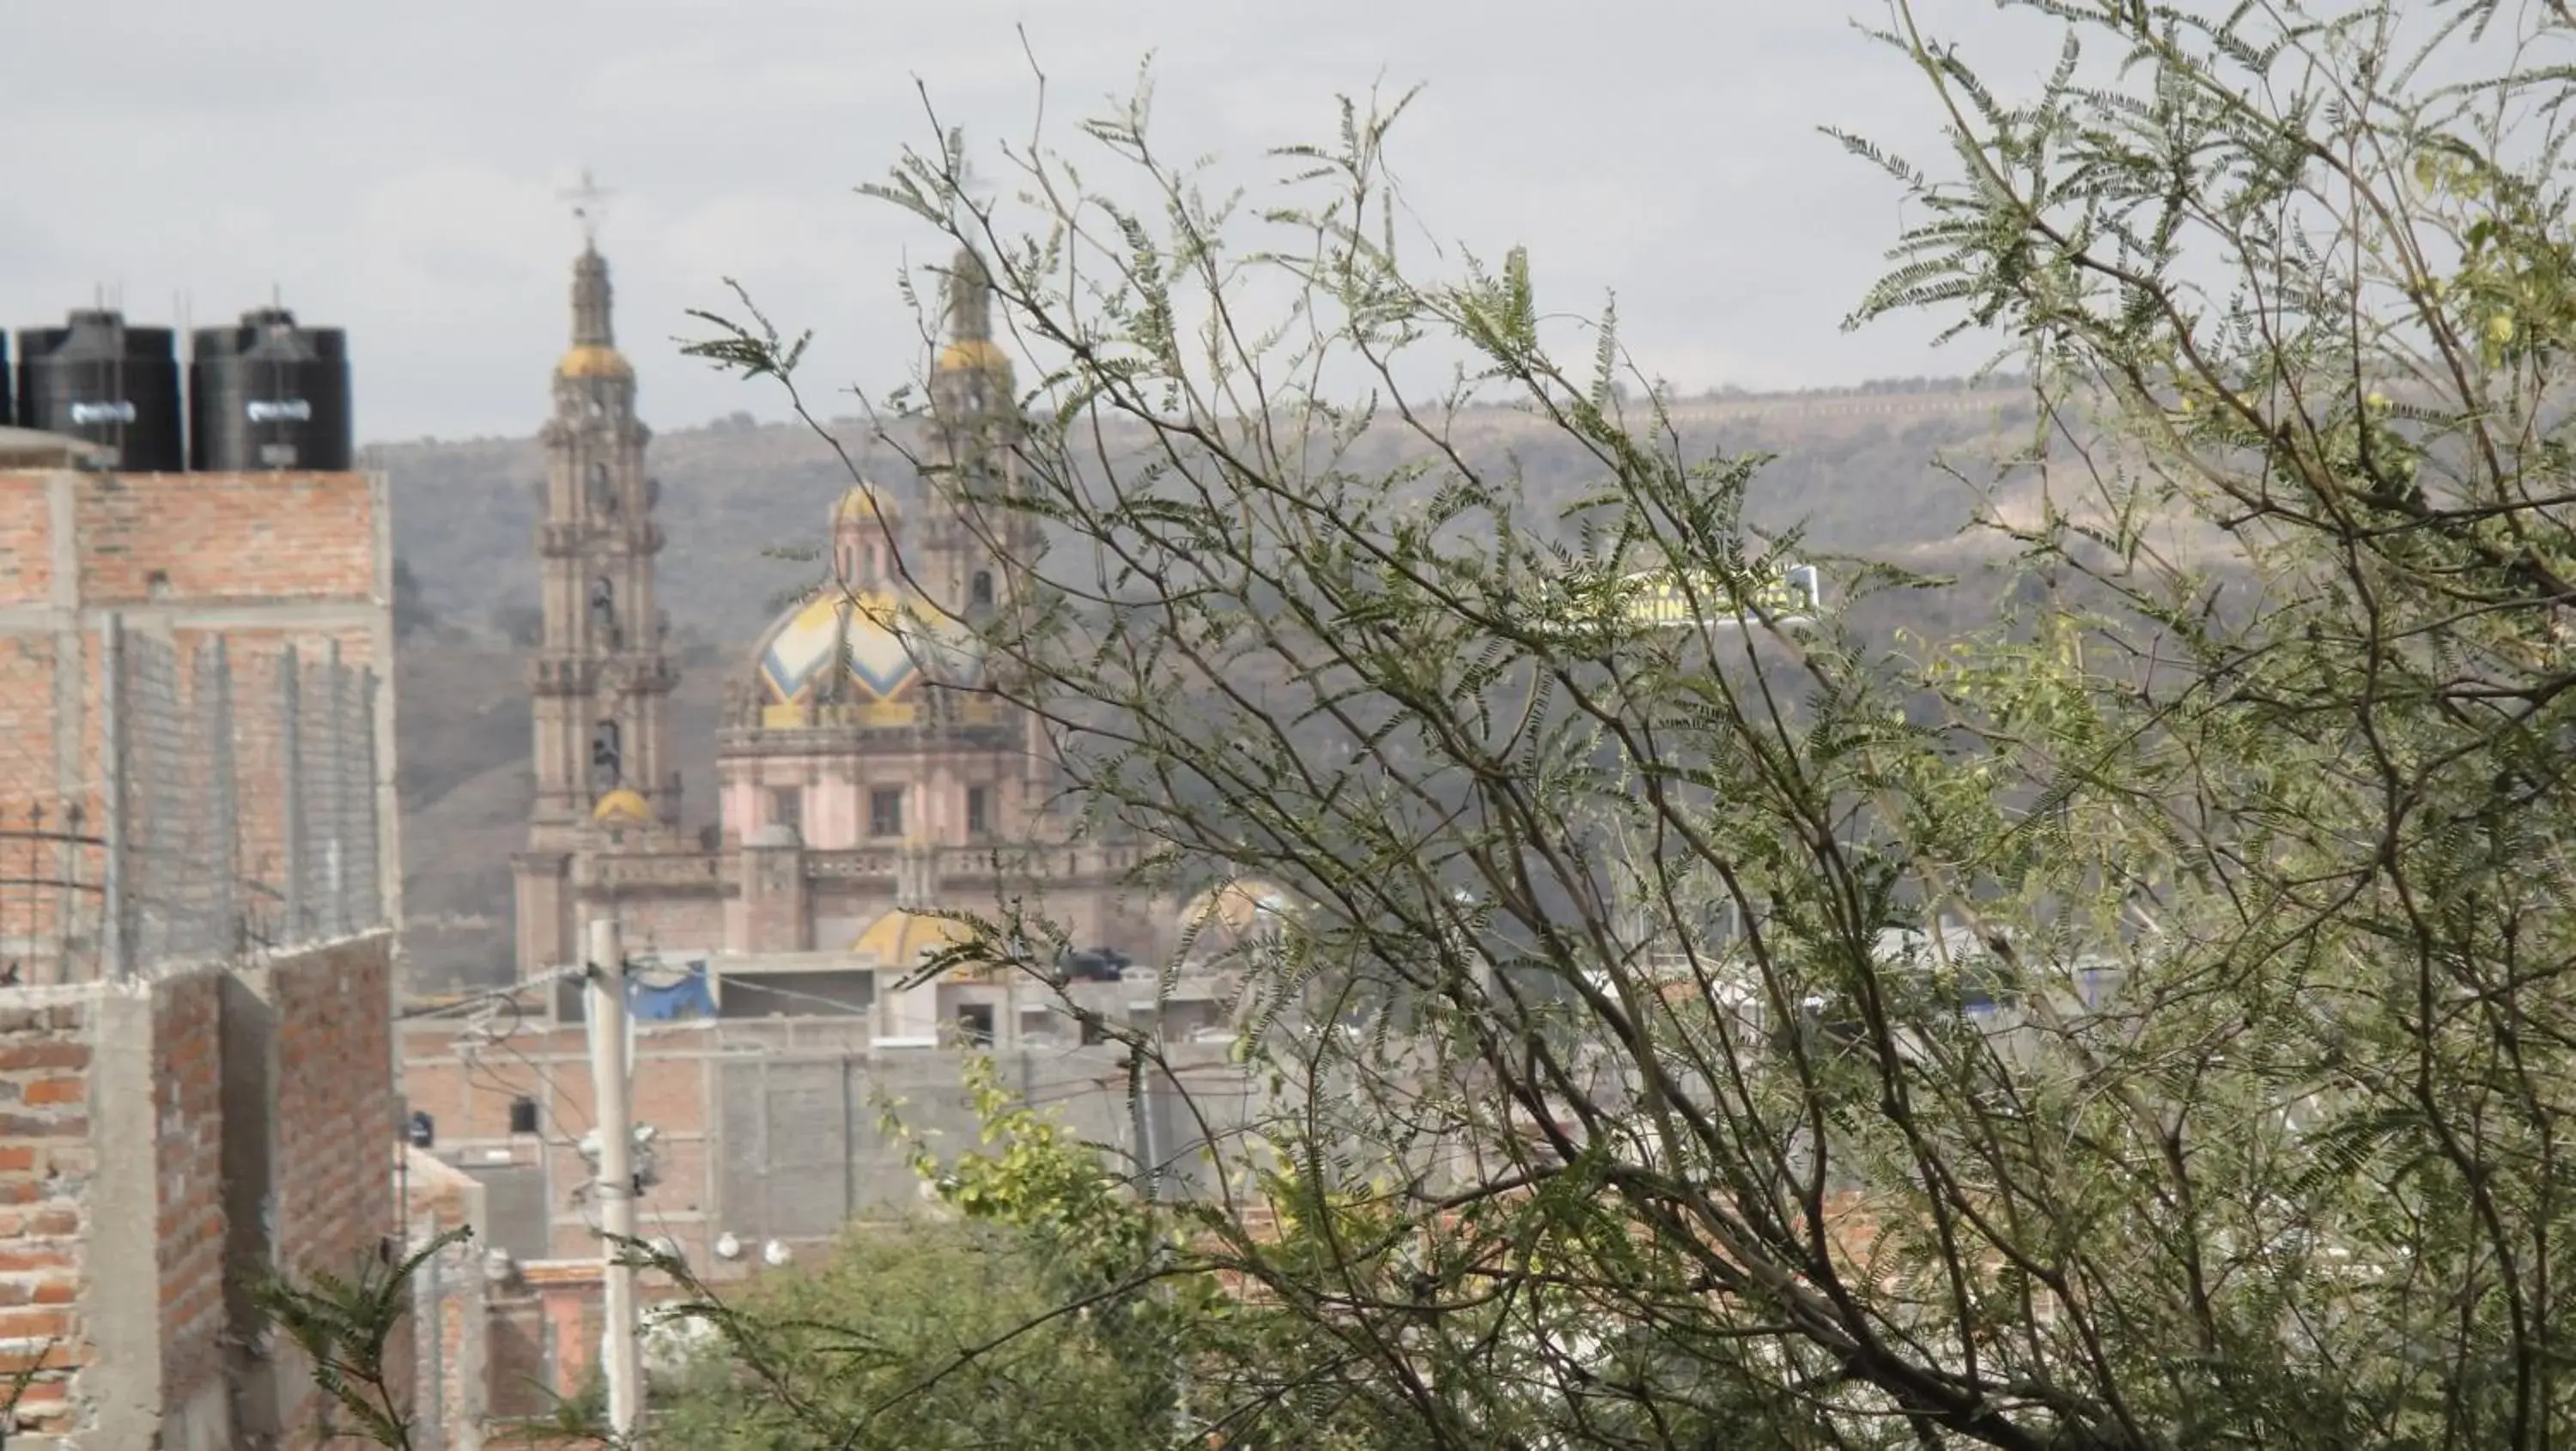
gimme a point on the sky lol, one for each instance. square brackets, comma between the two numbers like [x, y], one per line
[398, 171]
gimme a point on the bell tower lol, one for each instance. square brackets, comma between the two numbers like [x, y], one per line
[973, 547]
[600, 684]
[975, 433]
[600, 681]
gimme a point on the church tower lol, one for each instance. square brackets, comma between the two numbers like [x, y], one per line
[971, 547]
[600, 683]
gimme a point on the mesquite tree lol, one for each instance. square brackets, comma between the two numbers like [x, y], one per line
[2138, 1021]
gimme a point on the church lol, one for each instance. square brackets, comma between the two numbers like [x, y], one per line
[869, 779]
[867, 776]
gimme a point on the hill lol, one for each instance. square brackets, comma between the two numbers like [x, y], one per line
[1859, 469]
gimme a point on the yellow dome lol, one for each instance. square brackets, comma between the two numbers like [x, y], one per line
[902, 938]
[863, 503]
[622, 807]
[594, 360]
[968, 353]
[882, 649]
[1235, 907]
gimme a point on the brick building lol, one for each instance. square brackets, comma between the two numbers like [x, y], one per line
[264, 563]
[197, 978]
[162, 1130]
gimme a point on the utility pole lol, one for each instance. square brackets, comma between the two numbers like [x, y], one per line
[616, 1183]
[1149, 1176]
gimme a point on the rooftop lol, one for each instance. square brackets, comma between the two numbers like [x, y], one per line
[26, 448]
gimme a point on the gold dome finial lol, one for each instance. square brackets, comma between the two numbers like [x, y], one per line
[594, 339]
[863, 503]
[970, 318]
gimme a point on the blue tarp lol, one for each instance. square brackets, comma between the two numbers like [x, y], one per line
[687, 996]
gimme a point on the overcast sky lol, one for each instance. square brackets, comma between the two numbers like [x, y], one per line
[395, 170]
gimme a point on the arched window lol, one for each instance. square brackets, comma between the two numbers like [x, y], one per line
[606, 765]
[603, 494]
[980, 591]
[603, 612]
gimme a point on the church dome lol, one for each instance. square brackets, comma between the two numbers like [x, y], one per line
[973, 355]
[865, 503]
[594, 360]
[622, 807]
[903, 937]
[882, 650]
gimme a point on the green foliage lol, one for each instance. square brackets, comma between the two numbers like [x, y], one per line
[346, 1327]
[924, 1335]
[2137, 1019]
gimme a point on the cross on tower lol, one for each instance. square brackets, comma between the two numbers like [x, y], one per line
[587, 199]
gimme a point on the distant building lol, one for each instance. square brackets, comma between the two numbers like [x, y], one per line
[866, 773]
[868, 780]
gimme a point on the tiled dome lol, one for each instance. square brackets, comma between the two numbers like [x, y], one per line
[882, 650]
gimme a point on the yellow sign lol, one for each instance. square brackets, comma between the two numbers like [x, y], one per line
[1661, 598]
[1666, 599]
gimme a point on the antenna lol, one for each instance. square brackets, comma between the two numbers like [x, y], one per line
[588, 201]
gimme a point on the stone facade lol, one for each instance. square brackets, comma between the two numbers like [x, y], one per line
[867, 771]
[870, 779]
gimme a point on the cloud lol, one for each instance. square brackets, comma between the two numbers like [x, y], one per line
[393, 170]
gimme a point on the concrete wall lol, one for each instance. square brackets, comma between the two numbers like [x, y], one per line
[690, 1086]
[160, 1134]
[451, 1292]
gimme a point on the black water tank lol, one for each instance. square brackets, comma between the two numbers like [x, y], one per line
[8, 395]
[98, 380]
[269, 395]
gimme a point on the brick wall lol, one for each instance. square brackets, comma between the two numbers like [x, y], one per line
[188, 1108]
[333, 1128]
[335, 1105]
[26, 561]
[520, 1357]
[452, 1288]
[218, 536]
[45, 1163]
[468, 1092]
[692, 922]
[129, 1112]
[266, 560]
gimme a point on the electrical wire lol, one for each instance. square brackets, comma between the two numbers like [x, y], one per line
[570, 1126]
[471, 1001]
